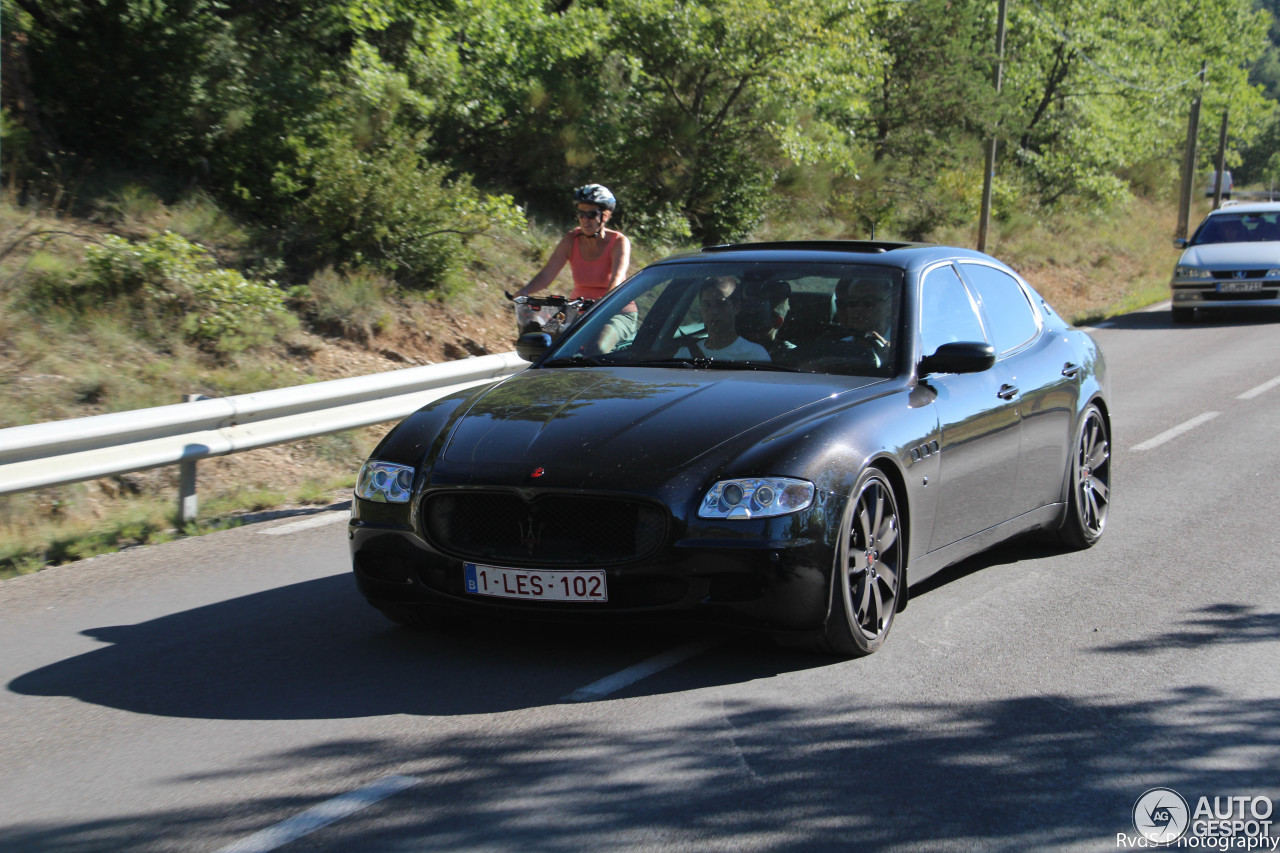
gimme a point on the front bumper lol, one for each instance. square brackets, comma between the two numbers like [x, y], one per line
[1226, 293]
[762, 577]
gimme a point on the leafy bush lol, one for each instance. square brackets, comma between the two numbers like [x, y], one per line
[387, 209]
[176, 278]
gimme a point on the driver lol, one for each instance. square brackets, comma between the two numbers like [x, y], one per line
[864, 307]
[598, 258]
[864, 321]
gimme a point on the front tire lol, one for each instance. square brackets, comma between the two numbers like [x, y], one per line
[1090, 478]
[868, 572]
[1183, 315]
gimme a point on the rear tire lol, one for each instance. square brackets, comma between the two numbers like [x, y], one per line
[1090, 477]
[868, 572]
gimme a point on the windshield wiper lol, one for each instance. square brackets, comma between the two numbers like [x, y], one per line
[713, 364]
[576, 360]
[663, 362]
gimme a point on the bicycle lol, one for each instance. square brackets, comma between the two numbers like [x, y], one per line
[547, 314]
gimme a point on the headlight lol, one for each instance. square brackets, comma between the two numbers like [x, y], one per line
[384, 482]
[1183, 271]
[756, 497]
[1273, 273]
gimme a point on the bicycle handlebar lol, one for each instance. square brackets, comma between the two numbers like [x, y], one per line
[551, 300]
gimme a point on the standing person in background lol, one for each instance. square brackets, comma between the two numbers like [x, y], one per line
[598, 258]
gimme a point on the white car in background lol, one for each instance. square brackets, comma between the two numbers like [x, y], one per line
[1232, 260]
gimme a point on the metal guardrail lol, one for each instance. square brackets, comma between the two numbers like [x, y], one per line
[49, 454]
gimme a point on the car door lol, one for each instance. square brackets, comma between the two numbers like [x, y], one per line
[1039, 365]
[978, 414]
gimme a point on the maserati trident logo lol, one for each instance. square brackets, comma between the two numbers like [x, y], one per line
[530, 533]
[537, 472]
[1239, 274]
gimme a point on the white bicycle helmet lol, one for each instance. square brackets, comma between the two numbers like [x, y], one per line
[595, 194]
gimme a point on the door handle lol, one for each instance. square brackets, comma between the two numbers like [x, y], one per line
[1007, 392]
[1070, 370]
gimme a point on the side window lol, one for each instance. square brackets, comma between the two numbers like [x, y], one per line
[947, 313]
[1009, 314]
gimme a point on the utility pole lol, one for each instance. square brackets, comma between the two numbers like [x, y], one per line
[984, 220]
[1189, 161]
[1219, 174]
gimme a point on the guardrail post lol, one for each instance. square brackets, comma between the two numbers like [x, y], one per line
[188, 502]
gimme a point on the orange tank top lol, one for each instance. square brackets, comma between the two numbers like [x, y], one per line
[591, 278]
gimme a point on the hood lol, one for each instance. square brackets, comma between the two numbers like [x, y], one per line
[1256, 255]
[627, 418]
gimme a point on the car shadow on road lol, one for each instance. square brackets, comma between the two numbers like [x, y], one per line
[316, 650]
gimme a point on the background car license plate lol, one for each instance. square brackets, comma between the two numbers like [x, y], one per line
[536, 584]
[1239, 286]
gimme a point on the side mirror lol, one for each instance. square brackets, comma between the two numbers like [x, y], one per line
[533, 346]
[959, 357]
[1179, 242]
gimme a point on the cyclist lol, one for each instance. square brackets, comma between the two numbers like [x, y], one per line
[598, 258]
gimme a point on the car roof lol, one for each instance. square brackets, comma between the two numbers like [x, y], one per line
[1247, 207]
[901, 254]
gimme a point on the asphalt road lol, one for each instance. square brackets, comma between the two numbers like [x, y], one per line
[233, 692]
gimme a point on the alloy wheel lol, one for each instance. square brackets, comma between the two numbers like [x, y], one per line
[873, 560]
[1093, 474]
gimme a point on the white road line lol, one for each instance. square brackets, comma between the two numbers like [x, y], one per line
[1170, 434]
[307, 523]
[632, 674]
[1261, 389]
[321, 815]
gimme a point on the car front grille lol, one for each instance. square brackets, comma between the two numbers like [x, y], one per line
[1228, 275]
[506, 528]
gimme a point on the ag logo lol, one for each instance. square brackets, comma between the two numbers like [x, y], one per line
[1161, 815]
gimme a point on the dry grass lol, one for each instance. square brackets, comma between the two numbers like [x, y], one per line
[1089, 268]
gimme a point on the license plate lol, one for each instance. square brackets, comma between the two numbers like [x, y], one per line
[1239, 286]
[536, 584]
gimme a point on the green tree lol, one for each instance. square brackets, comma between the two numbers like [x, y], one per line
[931, 104]
[723, 94]
[1095, 86]
[113, 80]
[519, 112]
[1265, 71]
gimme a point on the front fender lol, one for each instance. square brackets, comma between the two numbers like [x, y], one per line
[418, 438]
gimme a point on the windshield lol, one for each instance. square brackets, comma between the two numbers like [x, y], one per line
[1238, 228]
[734, 315]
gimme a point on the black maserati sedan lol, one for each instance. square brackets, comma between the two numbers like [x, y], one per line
[774, 435]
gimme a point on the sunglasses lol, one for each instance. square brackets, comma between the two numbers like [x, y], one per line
[588, 214]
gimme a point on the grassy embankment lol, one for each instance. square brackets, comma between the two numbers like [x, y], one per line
[61, 360]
